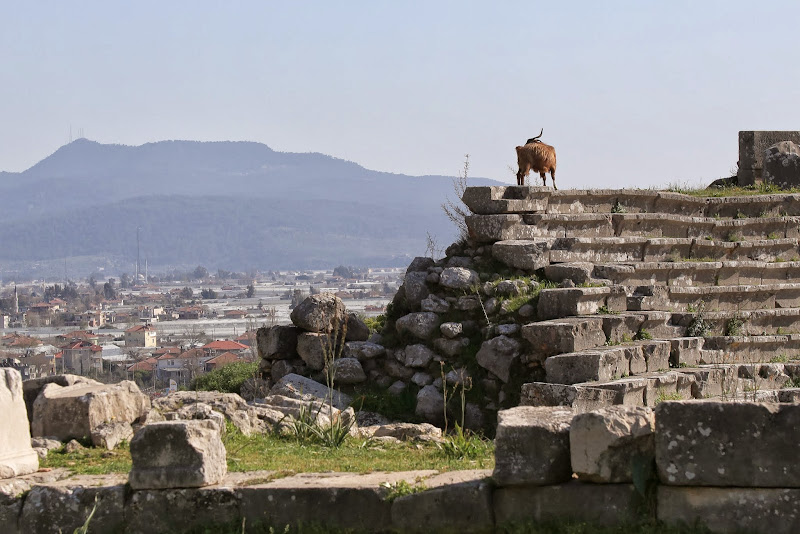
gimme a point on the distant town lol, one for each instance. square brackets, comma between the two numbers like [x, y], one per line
[164, 330]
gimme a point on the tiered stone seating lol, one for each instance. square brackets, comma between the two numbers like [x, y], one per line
[662, 295]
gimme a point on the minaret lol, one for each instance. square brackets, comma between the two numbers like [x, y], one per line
[16, 301]
[136, 280]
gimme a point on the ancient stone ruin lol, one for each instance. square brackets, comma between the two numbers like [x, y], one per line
[634, 353]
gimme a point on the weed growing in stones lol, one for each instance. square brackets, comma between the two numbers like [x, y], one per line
[401, 488]
[464, 445]
[700, 326]
[733, 326]
[642, 335]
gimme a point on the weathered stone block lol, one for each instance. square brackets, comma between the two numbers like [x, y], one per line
[180, 510]
[419, 356]
[63, 506]
[580, 272]
[312, 348]
[602, 504]
[460, 500]
[566, 302]
[532, 446]
[348, 371]
[17, 457]
[523, 254]
[628, 391]
[319, 313]
[32, 388]
[727, 444]
[416, 288]
[559, 336]
[357, 329]
[667, 386]
[752, 148]
[458, 278]
[756, 510]
[278, 342]
[302, 388]
[498, 355]
[588, 365]
[177, 454]
[685, 351]
[76, 411]
[656, 355]
[328, 499]
[580, 398]
[423, 325]
[604, 443]
[363, 350]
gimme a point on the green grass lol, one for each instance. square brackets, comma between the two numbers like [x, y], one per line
[731, 191]
[90, 461]
[288, 455]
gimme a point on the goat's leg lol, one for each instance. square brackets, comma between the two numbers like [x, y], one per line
[544, 179]
[553, 177]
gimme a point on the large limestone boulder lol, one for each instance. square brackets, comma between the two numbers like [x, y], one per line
[31, 388]
[75, 412]
[357, 329]
[415, 288]
[319, 313]
[532, 446]
[277, 342]
[782, 165]
[348, 371]
[213, 405]
[17, 457]
[498, 355]
[459, 278]
[363, 350]
[605, 443]
[177, 454]
[423, 325]
[312, 347]
[302, 388]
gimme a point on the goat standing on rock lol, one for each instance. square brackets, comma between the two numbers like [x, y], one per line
[538, 157]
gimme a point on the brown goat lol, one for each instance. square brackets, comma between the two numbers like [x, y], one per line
[538, 157]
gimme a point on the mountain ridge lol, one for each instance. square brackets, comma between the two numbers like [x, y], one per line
[313, 210]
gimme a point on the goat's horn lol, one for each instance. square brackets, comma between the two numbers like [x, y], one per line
[540, 134]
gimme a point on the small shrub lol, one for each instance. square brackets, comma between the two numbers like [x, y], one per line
[733, 326]
[618, 208]
[464, 445]
[643, 334]
[734, 237]
[375, 324]
[700, 326]
[227, 379]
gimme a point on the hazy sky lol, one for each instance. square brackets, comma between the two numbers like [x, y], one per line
[635, 93]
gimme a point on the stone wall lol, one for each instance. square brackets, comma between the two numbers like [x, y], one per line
[752, 145]
[729, 466]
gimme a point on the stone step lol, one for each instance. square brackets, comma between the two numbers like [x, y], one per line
[535, 254]
[608, 363]
[750, 349]
[715, 298]
[779, 321]
[692, 273]
[490, 200]
[499, 227]
[760, 382]
[562, 302]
